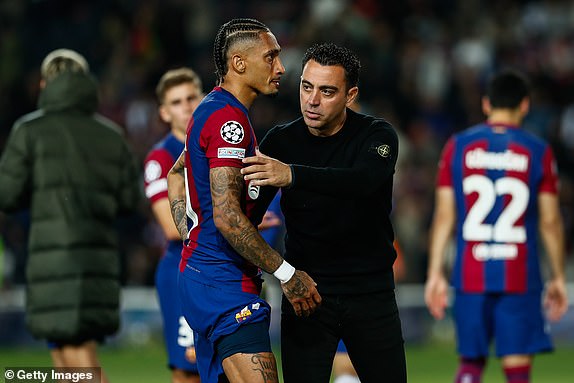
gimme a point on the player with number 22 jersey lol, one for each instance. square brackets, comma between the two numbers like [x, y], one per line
[496, 180]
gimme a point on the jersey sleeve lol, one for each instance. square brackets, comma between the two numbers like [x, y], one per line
[374, 163]
[444, 175]
[156, 167]
[227, 137]
[549, 183]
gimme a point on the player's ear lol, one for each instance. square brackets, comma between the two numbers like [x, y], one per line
[165, 116]
[238, 63]
[352, 95]
[486, 107]
[525, 106]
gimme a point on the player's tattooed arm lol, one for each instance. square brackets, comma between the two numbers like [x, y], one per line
[176, 195]
[226, 189]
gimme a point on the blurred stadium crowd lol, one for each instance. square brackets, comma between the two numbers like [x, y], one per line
[424, 66]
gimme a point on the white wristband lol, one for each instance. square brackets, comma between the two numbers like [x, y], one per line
[284, 272]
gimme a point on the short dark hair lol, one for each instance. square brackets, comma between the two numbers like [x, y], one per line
[507, 89]
[328, 54]
[174, 78]
[229, 34]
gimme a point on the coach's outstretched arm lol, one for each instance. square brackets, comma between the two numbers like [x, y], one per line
[226, 188]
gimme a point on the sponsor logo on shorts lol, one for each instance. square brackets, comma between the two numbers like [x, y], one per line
[237, 153]
[243, 315]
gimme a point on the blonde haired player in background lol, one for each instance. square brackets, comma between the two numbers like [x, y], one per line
[178, 92]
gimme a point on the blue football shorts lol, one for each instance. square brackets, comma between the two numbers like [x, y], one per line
[213, 313]
[177, 333]
[514, 321]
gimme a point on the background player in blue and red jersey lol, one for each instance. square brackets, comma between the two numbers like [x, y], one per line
[179, 92]
[216, 213]
[497, 186]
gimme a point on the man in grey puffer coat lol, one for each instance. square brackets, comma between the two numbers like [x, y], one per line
[72, 168]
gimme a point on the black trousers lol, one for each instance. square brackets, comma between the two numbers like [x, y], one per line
[370, 326]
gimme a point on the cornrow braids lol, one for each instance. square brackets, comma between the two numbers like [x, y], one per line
[230, 33]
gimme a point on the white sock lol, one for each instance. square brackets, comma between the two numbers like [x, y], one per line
[347, 379]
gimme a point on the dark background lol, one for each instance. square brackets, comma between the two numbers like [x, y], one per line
[424, 65]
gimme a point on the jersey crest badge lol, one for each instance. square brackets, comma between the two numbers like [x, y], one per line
[243, 314]
[232, 132]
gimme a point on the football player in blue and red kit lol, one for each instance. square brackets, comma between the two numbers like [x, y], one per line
[179, 92]
[498, 187]
[217, 214]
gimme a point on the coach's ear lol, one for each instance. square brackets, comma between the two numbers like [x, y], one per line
[352, 95]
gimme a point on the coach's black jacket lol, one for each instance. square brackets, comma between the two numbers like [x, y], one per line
[337, 209]
[73, 170]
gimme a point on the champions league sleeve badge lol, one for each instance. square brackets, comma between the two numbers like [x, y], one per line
[232, 132]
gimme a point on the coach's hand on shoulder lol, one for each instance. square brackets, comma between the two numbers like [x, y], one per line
[302, 292]
[263, 170]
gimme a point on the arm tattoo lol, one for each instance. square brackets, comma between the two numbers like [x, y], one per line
[226, 190]
[176, 195]
[179, 217]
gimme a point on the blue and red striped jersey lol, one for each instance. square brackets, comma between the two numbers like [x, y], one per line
[156, 167]
[219, 135]
[497, 173]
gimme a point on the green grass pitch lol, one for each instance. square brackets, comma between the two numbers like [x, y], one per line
[426, 363]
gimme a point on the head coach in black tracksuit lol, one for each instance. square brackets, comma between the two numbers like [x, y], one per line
[335, 168]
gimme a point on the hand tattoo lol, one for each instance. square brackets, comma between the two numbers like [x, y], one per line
[296, 288]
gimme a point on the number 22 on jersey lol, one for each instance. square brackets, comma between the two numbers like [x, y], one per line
[504, 229]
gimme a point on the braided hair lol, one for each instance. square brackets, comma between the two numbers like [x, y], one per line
[230, 33]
